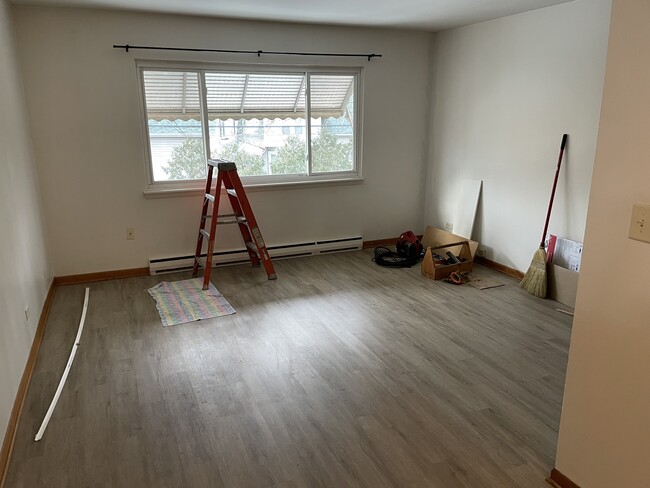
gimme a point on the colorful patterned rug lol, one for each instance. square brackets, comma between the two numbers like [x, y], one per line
[180, 302]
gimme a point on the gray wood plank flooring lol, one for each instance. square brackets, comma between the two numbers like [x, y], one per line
[338, 374]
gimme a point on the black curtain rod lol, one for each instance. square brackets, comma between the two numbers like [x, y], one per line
[126, 48]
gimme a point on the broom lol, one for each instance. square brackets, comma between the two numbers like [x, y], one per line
[534, 281]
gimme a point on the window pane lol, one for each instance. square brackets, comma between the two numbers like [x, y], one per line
[174, 121]
[257, 120]
[332, 123]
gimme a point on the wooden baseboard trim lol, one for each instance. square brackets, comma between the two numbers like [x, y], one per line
[14, 418]
[391, 241]
[558, 480]
[502, 268]
[380, 242]
[100, 276]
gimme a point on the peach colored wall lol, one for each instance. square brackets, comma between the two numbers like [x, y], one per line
[604, 439]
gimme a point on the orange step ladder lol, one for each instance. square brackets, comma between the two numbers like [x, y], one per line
[242, 216]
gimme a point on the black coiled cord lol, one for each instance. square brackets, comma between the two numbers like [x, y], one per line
[392, 259]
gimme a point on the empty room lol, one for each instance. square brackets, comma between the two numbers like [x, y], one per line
[327, 244]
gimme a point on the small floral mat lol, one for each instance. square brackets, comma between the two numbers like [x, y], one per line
[180, 302]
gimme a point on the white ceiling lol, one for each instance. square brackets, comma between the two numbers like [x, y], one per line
[429, 15]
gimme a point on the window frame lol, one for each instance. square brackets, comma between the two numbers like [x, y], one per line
[264, 181]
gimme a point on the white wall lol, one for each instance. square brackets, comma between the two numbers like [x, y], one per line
[82, 99]
[604, 438]
[25, 271]
[505, 92]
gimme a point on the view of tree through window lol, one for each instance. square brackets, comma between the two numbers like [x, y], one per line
[257, 120]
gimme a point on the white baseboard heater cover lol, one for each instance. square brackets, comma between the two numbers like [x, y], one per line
[174, 264]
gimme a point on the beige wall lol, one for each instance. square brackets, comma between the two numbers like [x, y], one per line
[505, 92]
[25, 271]
[604, 438]
[82, 99]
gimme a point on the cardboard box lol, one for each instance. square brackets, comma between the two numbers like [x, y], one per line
[441, 241]
[562, 284]
[563, 265]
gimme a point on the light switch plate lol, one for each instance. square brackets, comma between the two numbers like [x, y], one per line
[640, 223]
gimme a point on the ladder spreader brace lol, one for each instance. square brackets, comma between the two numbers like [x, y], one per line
[242, 215]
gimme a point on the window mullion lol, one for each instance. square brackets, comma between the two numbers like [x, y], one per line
[308, 115]
[205, 123]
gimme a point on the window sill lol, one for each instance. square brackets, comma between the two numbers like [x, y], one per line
[251, 187]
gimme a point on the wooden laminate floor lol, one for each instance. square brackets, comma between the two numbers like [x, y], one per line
[339, 374]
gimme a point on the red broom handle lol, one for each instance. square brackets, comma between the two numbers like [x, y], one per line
[557, 174]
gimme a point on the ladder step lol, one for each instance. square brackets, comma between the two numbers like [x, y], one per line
[236, 220]
[231, 192]
[252, 247]
[205, 233]
[209, 197]
[200, 261]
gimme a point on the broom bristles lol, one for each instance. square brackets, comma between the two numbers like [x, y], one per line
[534, 281]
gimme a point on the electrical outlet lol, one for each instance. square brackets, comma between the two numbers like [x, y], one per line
[130, 234]
[480, 252]
[640, 222]
[27, 313]
[449, 226]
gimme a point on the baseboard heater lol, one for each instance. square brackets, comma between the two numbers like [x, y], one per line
[231, 257]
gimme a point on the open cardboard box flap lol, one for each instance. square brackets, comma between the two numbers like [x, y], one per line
[562, 284]
[434, 237]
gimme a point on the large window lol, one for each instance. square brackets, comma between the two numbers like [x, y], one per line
[278, 126]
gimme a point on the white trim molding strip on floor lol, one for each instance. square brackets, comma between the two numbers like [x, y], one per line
[64, 377]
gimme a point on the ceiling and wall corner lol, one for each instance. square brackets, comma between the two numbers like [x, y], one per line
[26, 271]
[604, 438]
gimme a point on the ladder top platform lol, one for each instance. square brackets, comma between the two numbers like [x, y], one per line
[222, 164]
